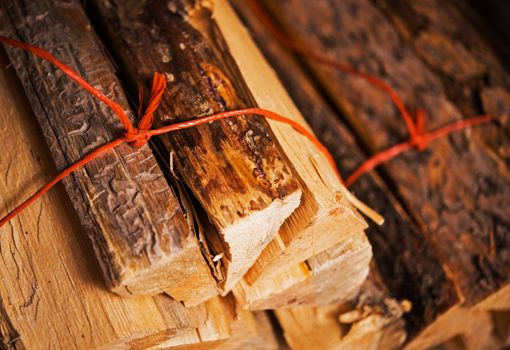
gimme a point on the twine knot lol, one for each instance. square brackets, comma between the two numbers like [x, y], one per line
[418, 136]
[137, 138]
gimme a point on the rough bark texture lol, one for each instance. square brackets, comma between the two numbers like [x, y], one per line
[234, 168]
[139, 230]
[407, 263]
[463, 206]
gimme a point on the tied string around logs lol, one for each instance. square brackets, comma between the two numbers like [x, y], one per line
[419, 138]
[138, 136]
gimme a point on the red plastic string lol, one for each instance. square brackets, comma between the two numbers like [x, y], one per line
[139, 136]
[418, 137]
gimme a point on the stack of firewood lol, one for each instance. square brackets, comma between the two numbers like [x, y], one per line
[185, 242]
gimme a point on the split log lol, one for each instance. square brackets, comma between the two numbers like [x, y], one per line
[324, 220]
[140, 233]
[462, 209]
[50, 295]
[234, 168]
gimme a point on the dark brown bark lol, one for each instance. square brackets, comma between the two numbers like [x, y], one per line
[458, 188]
[235, 168]
[136, 224]
[406, 261]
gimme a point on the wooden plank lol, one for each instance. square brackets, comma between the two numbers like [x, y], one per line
[140, 233]
[234, 168]
[52, 293]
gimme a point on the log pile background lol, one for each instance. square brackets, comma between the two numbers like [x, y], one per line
[194, 264]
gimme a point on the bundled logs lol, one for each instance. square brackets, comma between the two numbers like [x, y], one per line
[452, 270]
[184, 242]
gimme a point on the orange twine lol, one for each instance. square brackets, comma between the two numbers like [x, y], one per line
[418, 137]
[138, 136]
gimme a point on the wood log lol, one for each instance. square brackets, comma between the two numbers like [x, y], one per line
[462, 208]
[51, 295]
[457, 169]
[234, 168]
[323, 219]
[141, 235]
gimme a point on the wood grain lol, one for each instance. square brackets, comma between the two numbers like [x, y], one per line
[234, 168]
[407, 263]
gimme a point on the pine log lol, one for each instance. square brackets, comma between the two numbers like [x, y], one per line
[235, 168]
[140, 232]
[462, 209]
[51, 295]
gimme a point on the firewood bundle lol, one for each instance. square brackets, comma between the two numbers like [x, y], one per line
[237, 234]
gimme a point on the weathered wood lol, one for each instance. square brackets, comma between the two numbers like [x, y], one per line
[458, 189]
[324, 219]
[405, 259]
[51, 294]
[140, 233]
[234, 168]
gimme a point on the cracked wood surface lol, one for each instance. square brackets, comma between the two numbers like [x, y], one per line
[234, 168]
[140, 233]
[52, 294]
